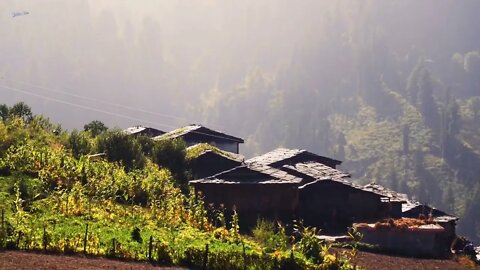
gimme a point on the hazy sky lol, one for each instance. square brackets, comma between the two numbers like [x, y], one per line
[152, 55]
[158, 61]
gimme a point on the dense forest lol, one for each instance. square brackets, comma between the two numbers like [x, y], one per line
[401, 114]
[390, 87]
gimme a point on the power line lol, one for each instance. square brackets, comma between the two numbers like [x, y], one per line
[82, 106]
[102, 111]
[96, 100]
[183, 119]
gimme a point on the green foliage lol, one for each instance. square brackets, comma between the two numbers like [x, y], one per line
[472, 62]
[146, 144]
[79, 143]
[309, 244]
[170, 154]
[4, 112]
[95, 127]
[120, 147]
[235, 227]
[194, 151]
[21, 110]
[270, 237]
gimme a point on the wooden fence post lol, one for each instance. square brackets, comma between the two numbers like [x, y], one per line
[3, 233]
[44, 238]
[85, 241]
[205, 258]
[150, 247]
[292, 258]
[3, 219]
[113, 247]
[18, 239]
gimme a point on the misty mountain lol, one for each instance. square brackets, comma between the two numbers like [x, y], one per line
[391, 87]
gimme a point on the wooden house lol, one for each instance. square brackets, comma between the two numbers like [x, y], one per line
[195, 134]
[143, 131]
[393, 201]
[255, 191]
[206, 160]
[413, 209]
[330, 202]
[290, 184]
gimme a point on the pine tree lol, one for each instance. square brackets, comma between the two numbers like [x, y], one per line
[406, 139]
[412, 82]
[427, 104]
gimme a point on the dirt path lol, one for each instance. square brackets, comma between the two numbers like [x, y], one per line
[370, 261]
[373, 261]
[27, 260]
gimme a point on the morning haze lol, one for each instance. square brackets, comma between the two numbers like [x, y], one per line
[355, 80]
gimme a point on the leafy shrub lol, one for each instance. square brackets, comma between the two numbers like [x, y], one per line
[164, 253]
[269, 237]
[170, 154]
[79, 143]
[95, 127]
[309, 244]
[120, 147]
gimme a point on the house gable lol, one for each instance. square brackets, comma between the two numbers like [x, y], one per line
[195, 134]
[145, 131]
[283, 156]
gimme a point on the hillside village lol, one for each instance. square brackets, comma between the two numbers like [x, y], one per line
[188, 198]
[292, 184]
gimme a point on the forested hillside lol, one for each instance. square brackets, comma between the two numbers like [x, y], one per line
[391, 87]
[400, 110]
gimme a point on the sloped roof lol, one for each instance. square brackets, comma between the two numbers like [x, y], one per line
[283, 154]
[317, 170]
[438, 215]
[388, 193]
[198, 150]
[322, 172]
[250, 174]
[134, 130]
[137, 129]
[199, 130]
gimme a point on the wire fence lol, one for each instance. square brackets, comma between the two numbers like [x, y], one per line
[49, 238]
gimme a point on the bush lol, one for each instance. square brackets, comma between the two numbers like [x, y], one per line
[121, 148]
[79, 143]
[269, 237]
[170, 154]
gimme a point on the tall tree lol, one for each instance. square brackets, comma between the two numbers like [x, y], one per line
[412, 81]
[96, 127]
[79, 143]
[472, 66]
[406, 139]
[428, 106]
[22, 111]
[122, 148]
[341, 142]
[4, 112]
